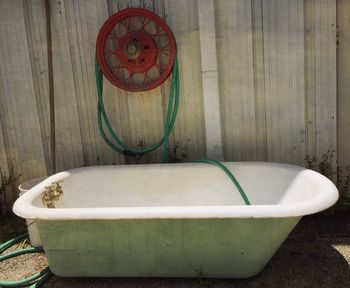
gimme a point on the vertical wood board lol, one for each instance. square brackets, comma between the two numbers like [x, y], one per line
[35, 24]
[189, 133]
[284, 80]
[343, 82]
[320, 71]
[211, 96]
[18, 103]
[69, 148]
[235, 64]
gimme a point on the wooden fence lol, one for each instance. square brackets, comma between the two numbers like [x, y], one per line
[269, 66]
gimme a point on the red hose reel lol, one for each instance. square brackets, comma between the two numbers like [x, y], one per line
[135, 49]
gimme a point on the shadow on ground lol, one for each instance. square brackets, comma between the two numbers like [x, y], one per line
[316, 254]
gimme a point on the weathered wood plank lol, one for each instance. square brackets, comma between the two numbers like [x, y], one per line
[310, 84]
[321, 86]
[4, 166]
[235, 63]
[297, 79]
[4, 172]
[325, 53]
[284, 80]
[343, 81]
[3, 155]
[18, 109]
[35, 24]
[211, 97]
[68, 134]
[189, 132]
[84, 19]
[259, 80]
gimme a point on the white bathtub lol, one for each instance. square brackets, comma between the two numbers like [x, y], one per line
[172, 220]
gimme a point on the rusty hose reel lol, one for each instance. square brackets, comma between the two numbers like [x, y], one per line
[136, 49]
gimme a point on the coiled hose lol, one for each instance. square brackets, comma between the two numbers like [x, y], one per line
[37, 279]
[121, 146]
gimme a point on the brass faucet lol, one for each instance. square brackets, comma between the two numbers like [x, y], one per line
[52, 194]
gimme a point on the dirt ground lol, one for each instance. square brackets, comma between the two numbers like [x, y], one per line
[316, 254]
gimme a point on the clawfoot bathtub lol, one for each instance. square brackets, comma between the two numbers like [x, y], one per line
[172, 220]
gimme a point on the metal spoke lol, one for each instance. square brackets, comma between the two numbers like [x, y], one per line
[111, 53]
[144, 22]
[158, 32]
[163, 50]
[159, 67]
[146, 77]
[112, 35]
[118, 67]
[117, 27]
[127, 26]
[131, 76]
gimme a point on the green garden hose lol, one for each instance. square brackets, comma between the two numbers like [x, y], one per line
[15, 240]
[20, 252]
[122, 147]
[173, 105]
[38, 278]
[229, 174]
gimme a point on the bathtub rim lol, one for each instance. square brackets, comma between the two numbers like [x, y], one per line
[24, 208]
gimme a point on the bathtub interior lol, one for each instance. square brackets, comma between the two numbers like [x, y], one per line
[186, 185]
